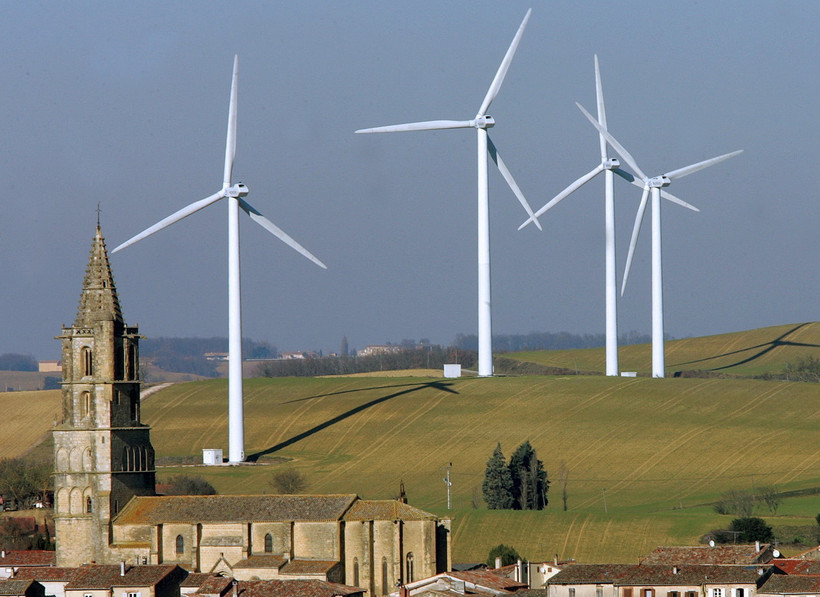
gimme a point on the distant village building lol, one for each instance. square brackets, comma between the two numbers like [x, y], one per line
[375, 349]
[49, 366]
[107, 511]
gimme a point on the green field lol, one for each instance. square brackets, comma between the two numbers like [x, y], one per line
[660, 449]
[750, 353]
[646, 457]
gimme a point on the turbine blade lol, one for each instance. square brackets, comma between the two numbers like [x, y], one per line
[681, 202]
[505, 172]
[173, 218]
[686, 170]
[230, 141]
[620, 149]
[599, 96]
[277, 232]
[495, 86]
[626, 176]
[635, 231]
[566, 192]
[429, 125]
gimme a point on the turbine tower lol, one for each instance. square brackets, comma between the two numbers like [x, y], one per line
[235, 194]
[653, 184]
[608, 165]
[481, 123]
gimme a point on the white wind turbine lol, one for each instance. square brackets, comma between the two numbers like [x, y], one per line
[653, 184]
[481, 123]
[234, 193]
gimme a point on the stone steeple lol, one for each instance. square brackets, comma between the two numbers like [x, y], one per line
[102, 451]
[98, 300]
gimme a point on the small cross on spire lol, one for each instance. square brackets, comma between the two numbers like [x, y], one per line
[98, 214]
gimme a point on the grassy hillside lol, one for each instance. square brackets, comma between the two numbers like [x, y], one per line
[749, 353]
[659, 448]
[27, 420]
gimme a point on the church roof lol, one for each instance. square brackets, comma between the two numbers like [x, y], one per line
[234, 508]
[99, 297]
[386, 510]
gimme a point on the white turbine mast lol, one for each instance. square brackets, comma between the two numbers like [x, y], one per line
[654, 184]
[235, 194]
[481, 123]
[608, 165]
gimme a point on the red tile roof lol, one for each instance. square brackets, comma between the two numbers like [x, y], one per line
[579, 574]
[728, 555]
[47, 573]
[798, 567]
[308, 567]
[489, 579]
[689, 575]
[295, 588]
[107, 576]
[15, 587]
[34, 557]
[781, 584]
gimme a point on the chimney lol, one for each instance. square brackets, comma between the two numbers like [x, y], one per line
[555, 561]
[498, 562]
[674, 569]
[2, 553]
[757, 546]
[404, 591]
[122, 568]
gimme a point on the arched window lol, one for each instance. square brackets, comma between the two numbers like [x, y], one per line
[355, 572]
[268, 543]
[409, 568]
[87, 361]
[180, 544]
[86, 404]
[88, 505]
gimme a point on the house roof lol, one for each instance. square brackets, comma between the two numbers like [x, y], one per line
[295, 588]
[215, 585]
[33, 557]
[46, 573]
[261, 562]
[580, 574]
[727, 555]
[798, 567]
[15, 587]
[489, 579]
[308, 567]
[386, 510]
[195, 579]
[107, 576]
[234, 508]
[689, 575]
[780, 584]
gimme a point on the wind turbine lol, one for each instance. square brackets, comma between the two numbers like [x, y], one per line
[653, 184]
[234, 193]
[481, 123]
[608, 165]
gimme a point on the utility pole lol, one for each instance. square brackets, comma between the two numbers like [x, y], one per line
[447, 481]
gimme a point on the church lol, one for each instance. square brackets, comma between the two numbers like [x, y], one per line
[107, 510]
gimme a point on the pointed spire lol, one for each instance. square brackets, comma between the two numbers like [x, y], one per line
[98, 301]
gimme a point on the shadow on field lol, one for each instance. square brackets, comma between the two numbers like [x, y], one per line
[434, 385]
[763, 349]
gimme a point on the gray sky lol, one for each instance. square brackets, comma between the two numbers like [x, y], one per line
[126, 104]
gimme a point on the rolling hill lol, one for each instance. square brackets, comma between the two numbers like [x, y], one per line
[646, 457]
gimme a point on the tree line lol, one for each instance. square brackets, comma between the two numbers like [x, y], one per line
[548, 341]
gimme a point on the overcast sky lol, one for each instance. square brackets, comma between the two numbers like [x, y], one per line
[125, 104]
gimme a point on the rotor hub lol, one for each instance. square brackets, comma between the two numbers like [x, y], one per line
[658, 182]
[484, 122]
[611, 164]
[237, 190]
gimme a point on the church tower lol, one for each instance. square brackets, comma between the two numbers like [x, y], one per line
[102, 452]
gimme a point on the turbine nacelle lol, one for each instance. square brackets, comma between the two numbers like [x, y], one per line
[658, 182]
[484, 121]
[237, 190]
[611, 164]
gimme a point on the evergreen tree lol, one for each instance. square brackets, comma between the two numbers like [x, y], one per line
[497, 486]
[529, 479]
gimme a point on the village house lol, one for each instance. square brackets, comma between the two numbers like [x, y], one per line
[14, 560]
[53, 578]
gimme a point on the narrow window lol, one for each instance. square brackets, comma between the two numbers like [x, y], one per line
[180, 544]
[599, 592]
[89, 509]
[409, 570]
[572, 592]
[88, 368]
[628, 592]
[739, 593]
[385, 584]
[116, 506]
[673, 594]
[355, 572]
[648, 593]
[268, 543]
[86, 404]
[717, 592]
